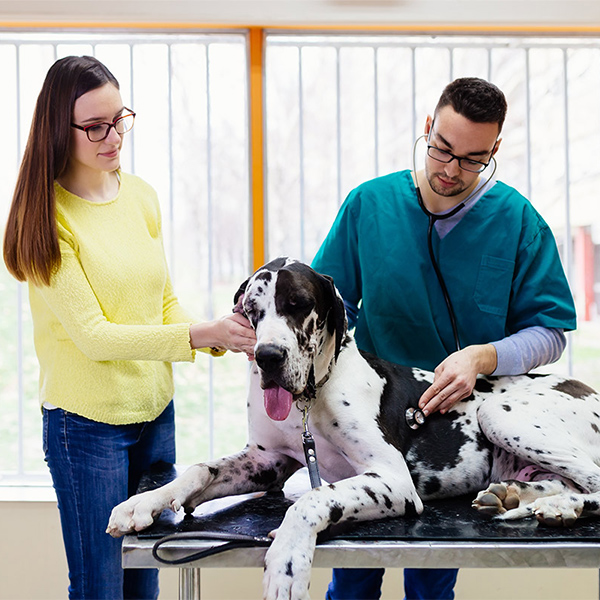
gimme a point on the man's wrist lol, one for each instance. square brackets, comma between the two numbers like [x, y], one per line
[487, 358]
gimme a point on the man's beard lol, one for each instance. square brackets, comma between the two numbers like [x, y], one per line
[459, 185]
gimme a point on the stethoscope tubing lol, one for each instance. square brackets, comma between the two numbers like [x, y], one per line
[432, 218]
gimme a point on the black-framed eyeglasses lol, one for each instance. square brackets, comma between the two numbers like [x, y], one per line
[96, 132]
[474, 166]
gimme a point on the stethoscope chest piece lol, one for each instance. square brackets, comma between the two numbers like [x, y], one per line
[414, 417]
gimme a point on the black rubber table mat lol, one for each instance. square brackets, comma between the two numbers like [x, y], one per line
[450, 519]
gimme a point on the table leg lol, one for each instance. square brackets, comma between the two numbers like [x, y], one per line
[189, 584]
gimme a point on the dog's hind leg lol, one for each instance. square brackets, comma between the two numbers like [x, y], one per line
[562, 462]
[513, 499]
[555, 506]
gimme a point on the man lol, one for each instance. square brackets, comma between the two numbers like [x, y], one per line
[484, 293]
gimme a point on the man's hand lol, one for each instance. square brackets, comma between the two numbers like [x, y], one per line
[455, 377]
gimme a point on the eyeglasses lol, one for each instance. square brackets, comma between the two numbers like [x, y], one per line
[474, 166]
[96, 132]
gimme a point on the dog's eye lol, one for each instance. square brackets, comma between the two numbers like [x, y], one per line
[253, 313]
[300, 302]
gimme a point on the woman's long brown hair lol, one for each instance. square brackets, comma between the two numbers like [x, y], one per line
[31, 250]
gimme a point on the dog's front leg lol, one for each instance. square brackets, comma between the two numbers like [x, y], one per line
[254, 469]
[368, 496]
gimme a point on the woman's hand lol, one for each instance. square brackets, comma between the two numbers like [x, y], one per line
[455, 377]
[232, 332]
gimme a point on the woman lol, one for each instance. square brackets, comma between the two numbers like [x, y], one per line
[107, 325]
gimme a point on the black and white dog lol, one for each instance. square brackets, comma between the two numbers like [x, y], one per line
[375, 465]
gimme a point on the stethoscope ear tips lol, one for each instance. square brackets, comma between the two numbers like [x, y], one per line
[414, 417]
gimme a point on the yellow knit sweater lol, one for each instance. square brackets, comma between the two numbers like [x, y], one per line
[109, 326]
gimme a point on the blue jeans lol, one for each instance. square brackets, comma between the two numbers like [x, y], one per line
[94, 467]
[365, 584]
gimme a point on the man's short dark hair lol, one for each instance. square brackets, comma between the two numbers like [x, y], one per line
[475, 99]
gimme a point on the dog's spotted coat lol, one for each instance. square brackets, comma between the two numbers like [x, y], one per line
[373, 464]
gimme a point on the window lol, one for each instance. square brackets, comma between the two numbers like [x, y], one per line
[190, 143]
[339, 110]
[343, 109]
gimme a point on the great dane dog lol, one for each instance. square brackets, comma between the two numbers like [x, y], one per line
[374, 465]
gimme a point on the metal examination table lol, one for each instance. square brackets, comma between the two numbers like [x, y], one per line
[449, 533]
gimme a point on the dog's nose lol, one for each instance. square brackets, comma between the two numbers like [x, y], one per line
[270, 357]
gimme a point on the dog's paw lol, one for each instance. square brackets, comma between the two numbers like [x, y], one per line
[497, 499]
[287, 567]
[558, 511]
[137, 513]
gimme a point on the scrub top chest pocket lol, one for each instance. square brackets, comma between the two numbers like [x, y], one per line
[493, 286]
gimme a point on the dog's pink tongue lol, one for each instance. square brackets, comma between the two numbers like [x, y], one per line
[278, 403]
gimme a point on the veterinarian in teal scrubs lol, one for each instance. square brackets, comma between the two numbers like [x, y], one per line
[499, 262]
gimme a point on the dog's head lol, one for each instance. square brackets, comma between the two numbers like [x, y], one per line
[300, 322]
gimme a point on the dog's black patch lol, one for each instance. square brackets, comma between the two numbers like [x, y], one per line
[590, 506]
[484, 386]
[574, 388]
[482, 442]
[275, 264]
[401, 390]
[265, 477]
[425, 443]
[289, 571]
[432, 486]
[335, 513]
[410, 509]
[371, 494]
[213, 471]
[265, 276]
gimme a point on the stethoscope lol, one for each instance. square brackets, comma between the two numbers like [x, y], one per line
[414, 416]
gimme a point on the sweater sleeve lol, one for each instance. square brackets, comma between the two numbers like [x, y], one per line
[74, 304]
[528, 349]
[174, 313]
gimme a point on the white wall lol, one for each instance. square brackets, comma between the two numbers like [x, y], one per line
[425, 13]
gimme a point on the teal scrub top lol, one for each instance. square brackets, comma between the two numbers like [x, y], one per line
[500, 264]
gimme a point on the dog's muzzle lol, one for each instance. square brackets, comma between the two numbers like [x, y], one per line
[270, 358]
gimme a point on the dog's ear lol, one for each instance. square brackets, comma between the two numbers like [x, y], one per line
[238, 298]
[336, 317]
